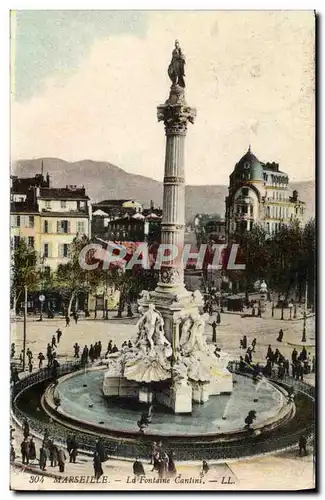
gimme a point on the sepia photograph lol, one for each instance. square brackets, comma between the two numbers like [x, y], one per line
[163, 250]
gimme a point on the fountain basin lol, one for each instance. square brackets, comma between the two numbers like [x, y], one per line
[222, 417]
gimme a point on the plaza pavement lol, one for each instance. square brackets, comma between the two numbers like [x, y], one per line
[285, 470]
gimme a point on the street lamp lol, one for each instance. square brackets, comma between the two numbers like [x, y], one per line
[290, 309]
[304, 328]
[272, 305]
[263, 296]
[282, 297]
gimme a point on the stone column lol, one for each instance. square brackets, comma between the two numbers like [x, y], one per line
[175, 114]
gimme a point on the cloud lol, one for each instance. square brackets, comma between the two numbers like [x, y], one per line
[249, 74]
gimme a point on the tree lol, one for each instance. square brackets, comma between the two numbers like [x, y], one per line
[24, 271]
[72, 279]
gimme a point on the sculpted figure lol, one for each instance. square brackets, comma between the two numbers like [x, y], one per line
[151, 328]
[176, 68]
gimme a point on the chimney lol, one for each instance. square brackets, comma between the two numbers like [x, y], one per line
[152, 205]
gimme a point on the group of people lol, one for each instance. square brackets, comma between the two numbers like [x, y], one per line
[111, 349]
[162, 461]
[75, 316]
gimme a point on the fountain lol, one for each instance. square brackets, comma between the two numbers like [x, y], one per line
[170, 347]
[170, 368]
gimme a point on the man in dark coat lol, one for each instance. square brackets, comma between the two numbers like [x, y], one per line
[53, 343]
[302, 445]
[100, 448]
[92, 353]
[31, 450]
[25, 429]
[161, 468]
[171, 468]
[61, 459]
[53, 453]
[58, 334]
[99, 348]
[205, 467]
[280, 336]
[24, 451]
[138, 469]
[98, 470]
[42, 458]
[73, 449]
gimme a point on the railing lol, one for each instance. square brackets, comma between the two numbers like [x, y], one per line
[280, 438]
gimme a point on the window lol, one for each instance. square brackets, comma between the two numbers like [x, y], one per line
[46, 226]
[244, 191]
[63, 226]
[63, 204]
[17, 221]
[46, 250]
[80, 227]
[30, 241]
[31, 221]
[47, 204]
[16, 241]
[244, 209]
[64, 250]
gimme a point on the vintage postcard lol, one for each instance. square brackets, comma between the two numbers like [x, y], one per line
[163, 242]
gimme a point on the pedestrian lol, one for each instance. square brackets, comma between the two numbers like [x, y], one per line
[12, 453]
[53, 453]
[115, 349]
[205, 467]
[74, 450]
[138, 469]
[31, 450]
[294, 355]
[161, 468]
[214, 332]
[61, 459]
[91, 353]
[98, 470]
[40, 358]
[100, 448]
[218, 318]
[30, 366]
[286, 367]
[42, 458]
[130, 345]
[253, 344]
[14, 375]
[67, 320]
[244, 342]
[154, 452]
[69, 443]
[75, 317]
[76, 350]
[280, 336]
[99, 348]
[12, 352]
[29, 354]
[24, 451]
[53, 343]
[249, 352]
[302, 445]
[25, 429]
[171, 465]
[58, 334]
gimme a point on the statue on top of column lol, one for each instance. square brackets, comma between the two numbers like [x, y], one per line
[176, 68]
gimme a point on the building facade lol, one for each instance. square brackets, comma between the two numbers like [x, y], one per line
[48, 218]
[258, 193]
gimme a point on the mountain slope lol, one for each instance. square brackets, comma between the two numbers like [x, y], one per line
[106, 181]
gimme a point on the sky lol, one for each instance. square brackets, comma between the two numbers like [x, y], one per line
[86, 84]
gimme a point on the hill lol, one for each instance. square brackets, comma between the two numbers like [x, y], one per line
[106, 181]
